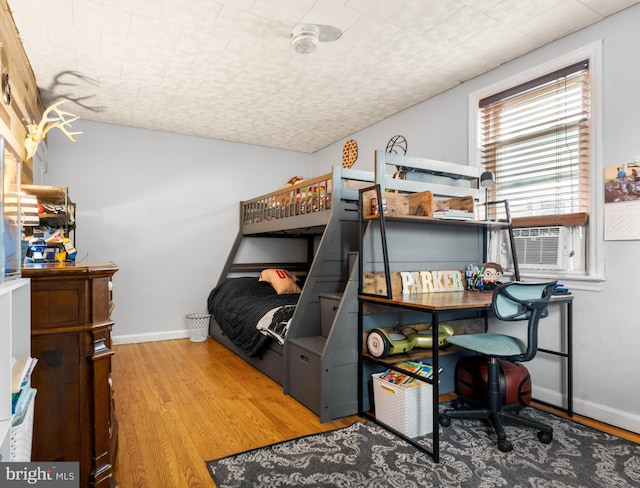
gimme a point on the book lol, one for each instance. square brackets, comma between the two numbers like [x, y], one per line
[399, 378]
[21, 370]
[20, 409]
[454, 214]
[422, 369]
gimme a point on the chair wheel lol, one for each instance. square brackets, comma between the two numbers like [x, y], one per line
[505, 445]
[545, 437]
[445, 421]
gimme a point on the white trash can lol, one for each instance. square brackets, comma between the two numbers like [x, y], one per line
[198, 325]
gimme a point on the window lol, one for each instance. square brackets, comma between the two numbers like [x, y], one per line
[535, 138]
[539, 132]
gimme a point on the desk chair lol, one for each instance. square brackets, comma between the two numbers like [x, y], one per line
[513, 301]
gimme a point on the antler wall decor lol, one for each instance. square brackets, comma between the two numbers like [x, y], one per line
[36, 133]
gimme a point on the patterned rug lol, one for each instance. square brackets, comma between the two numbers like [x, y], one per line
[365, 455]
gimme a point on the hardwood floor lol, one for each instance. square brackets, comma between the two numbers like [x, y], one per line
[180, 403]
[625, 434]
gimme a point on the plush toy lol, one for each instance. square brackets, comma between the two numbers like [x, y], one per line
[491, 275]
[294, 180]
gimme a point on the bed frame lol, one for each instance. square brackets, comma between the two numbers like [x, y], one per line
[317, 364]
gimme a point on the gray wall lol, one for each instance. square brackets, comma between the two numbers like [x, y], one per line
[607, 331]
[165, 209]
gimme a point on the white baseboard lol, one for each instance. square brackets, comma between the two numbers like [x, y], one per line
[150, 337]
[602, 413]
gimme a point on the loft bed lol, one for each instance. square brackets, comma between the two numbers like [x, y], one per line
[319, 217]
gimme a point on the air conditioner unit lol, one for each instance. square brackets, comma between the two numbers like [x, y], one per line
[541, 247]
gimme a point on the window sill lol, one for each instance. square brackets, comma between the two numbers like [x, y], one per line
[573, 281]
[570, 220]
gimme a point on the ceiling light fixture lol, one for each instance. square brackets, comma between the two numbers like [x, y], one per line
[306, 37]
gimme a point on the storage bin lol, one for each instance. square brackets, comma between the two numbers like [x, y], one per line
[393, 204]
[22, 433]
[421, 203]
[305, 370]
[404, 408]
[198, 325]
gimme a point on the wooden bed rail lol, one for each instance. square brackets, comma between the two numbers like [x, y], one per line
[312, 195]
[316, 196]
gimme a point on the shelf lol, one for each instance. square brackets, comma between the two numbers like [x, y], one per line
[53, 220]
[412, 356]
[15, 324]
[445, 221]
[49, 194]
[61, 212]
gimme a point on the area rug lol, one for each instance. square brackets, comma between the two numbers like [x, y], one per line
[365, 455]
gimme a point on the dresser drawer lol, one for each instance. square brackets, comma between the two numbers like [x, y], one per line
[58, 303]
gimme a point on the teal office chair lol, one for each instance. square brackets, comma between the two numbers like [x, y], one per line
[513, 301]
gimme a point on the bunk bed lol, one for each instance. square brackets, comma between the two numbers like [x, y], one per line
[308, 349]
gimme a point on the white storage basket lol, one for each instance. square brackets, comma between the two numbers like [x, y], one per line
[403, 408]
[22, 434]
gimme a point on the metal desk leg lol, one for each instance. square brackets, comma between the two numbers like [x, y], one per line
[436, 387]
[570, 358]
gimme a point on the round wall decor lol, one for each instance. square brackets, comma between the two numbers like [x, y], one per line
[397, 145]
[349, 153]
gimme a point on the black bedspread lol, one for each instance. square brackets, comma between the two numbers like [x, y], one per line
[238, 304]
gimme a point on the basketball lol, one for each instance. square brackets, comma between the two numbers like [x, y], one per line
[515, 381]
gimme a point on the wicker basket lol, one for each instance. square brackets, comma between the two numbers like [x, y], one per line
[405, 409]
[198, 325]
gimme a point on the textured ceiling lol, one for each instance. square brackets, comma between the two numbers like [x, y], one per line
[225, 69]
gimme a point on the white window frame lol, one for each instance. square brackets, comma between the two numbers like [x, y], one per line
[593, 277]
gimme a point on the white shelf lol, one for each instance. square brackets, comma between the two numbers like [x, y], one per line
[15, 325]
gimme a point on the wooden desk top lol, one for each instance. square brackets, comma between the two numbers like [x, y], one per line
[448, 300]
[32, 270]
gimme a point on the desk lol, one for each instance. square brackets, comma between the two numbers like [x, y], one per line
[457, 304]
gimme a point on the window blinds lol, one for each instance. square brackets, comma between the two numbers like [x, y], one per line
[535, 138]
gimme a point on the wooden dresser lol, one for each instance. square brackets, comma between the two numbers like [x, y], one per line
[74, 420]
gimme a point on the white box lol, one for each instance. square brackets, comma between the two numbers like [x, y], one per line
[403, 408]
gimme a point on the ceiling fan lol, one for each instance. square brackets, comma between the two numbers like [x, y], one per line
[306, 37]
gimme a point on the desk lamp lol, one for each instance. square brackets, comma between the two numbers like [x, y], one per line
[487, 180]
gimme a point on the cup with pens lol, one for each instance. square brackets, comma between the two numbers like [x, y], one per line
[474, 276]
